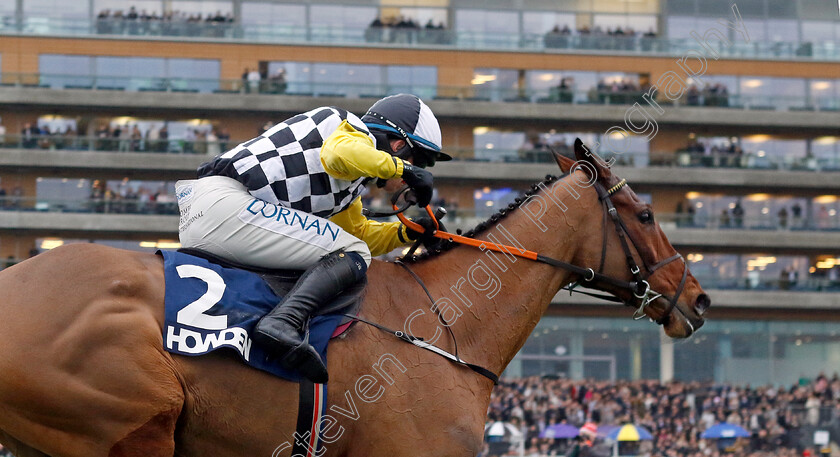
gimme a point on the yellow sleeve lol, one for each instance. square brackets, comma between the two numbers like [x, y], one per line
[381, 237]
[350, 154]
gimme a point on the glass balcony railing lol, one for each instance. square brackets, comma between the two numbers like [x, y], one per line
[638, 159]
[164, 205]
[73, 142]
[763, 222]
[476, 93]
[410, 37]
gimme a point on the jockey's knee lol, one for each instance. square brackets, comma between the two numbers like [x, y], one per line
[359, 247]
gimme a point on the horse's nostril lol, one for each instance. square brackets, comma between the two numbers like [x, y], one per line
[702, 303]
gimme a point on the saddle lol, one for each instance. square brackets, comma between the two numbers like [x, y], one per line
[281, 282]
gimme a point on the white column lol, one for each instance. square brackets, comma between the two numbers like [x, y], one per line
[635, 357]
[666, 358]
[576, 351]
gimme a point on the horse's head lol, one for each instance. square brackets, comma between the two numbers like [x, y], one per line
[631, 258]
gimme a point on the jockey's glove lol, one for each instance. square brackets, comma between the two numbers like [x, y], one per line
[420, 181]
[425, 222]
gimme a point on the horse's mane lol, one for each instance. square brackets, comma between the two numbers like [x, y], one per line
[486, 224]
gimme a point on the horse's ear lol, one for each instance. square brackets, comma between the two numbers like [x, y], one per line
[563, 162]
[583, 154]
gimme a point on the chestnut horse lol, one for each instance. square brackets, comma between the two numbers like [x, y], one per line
[83, 371]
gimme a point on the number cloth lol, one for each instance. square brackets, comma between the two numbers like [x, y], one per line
[208, 307]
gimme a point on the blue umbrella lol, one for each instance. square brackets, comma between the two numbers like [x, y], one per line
[560, 431]
[725, 430]
[630, 432]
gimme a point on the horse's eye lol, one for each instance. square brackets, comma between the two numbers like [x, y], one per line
[646, 217]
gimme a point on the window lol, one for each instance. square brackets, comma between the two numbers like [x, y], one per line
[151, 6]
[358, 80]
[54, 9]
[817, 9]
[494, 145]
[682, 26]
[417, 79]
[781, 8]
[782, 30]
[637, 22]
[624, 6]
[332, 23]
[488, 28]
[817, 31]
[495, 84]
[203, 7]
[423, 15]
[59, 71]
[682, 7]
[200, 75]
[540, 22]
[273, 14]
[129, 73]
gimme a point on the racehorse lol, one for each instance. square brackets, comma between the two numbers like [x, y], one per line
[83, 371]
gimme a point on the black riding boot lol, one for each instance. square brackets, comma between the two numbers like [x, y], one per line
[279, 331]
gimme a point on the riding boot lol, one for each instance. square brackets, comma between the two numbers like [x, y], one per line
[279, 331]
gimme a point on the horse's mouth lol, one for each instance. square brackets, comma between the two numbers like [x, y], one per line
[683, 321]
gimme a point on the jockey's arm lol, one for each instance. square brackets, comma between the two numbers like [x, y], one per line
[381, 237]
[350, 154]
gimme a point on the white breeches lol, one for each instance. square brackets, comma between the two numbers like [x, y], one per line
[218, 215]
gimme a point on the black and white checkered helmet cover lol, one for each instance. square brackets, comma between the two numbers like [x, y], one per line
[283, 165]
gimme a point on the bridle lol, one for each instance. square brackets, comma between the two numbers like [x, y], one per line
[639, 286]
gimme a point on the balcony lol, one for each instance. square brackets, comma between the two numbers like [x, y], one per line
[404, 38]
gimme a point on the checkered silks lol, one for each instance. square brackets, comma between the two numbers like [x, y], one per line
[283, 165]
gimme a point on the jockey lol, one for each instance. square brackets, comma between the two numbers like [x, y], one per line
[290, 199]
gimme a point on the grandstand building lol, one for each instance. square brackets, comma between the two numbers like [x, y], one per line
[725, 115]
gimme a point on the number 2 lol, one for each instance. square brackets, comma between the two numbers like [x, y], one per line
[193, 314]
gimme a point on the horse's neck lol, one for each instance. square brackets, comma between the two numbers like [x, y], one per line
[501, 300]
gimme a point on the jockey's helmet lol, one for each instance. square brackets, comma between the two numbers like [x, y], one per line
[406, 117]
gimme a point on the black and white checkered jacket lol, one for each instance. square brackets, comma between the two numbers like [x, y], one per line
[283, 165]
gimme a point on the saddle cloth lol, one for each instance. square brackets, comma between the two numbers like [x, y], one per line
[209, 306]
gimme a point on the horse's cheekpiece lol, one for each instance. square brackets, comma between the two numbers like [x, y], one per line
[209, 306]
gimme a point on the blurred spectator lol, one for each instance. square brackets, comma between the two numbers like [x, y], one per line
[738, 214]
[253, 79]
[171, 22]
[29, 135]
[278, 81]
[405, 30]
[213, 146]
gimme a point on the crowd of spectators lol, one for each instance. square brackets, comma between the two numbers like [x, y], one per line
[405, 30]
[170, 23]
[711, 95]
[120, 138]
[598, 38]
[779, 419]
[254, 81]
[127, 199]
